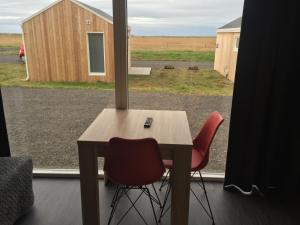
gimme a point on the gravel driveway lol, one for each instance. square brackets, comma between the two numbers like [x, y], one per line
[45, 123]
[8, 58]
[176, 64]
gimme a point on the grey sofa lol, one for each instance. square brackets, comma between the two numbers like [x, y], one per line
[16, 194]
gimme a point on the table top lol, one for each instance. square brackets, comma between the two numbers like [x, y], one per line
[168, 127]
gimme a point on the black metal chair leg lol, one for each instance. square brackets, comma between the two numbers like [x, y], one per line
[164, 181]
[152, 205]
[155, 199]
[120, 196]
[202, 185]
[123, 191]
[163, 210]
[205, 192]
[133, 206]
[114, 198]
[114, 205]
[159, 202]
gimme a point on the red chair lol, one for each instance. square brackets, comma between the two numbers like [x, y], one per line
[200, 158]
[133, 164]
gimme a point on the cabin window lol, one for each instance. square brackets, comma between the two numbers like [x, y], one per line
[96, 60]
[236, 43]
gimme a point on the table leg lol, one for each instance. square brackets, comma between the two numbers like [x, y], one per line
[88, 165]
[181, 187]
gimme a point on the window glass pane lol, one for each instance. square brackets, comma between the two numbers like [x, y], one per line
[186, 61]
[45, 118]
[96, 51]
[237, 43]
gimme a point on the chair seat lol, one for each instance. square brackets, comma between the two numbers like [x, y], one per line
[196, 164]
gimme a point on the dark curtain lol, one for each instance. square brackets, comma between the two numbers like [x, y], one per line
[264, 135]
[4, 146]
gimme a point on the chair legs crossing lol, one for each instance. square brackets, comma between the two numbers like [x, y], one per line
[151, 202]
[202, 185]
[164, 209]
[205, 192]
[155, 199]
[164, 180]
[123, 191]
[114, 204]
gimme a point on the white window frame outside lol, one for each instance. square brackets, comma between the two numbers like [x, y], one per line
[237, 37]
[88, 55]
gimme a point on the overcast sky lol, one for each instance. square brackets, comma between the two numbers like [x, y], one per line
[146, 17]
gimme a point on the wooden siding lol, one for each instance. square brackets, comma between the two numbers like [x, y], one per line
[226, 56]
[56, 44]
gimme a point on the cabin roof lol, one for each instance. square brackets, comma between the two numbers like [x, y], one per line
[233, 24]
[93, 10]
[97, 11]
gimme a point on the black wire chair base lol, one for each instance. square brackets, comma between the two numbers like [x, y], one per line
[207, 209]
[164, 180]
[154, 199]
[123, 191]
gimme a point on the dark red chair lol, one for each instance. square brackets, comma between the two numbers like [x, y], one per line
[133, 164]
[200, 158]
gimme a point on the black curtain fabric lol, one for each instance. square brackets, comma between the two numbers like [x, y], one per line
[264, 135]
[4, 146]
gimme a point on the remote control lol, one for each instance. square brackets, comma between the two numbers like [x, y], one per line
[148, 122]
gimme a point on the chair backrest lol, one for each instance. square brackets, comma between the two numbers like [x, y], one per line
[206, 135]
[133, 162]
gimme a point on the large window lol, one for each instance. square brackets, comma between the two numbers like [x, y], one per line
[96, 54]
[173, 62]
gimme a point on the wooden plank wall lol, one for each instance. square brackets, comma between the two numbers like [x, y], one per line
[225, 56]
[56, 44]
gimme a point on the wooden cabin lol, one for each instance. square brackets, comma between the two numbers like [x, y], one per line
[228, 37]
[69, 41]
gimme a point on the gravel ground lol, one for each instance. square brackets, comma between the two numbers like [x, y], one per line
[45, 123]
[10, 59]
[176, 64]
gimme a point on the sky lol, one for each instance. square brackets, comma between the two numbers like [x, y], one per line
[145, 17]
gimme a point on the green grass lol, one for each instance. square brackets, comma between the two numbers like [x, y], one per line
[9, 46]
[13, 75]
[182, 81]
[9, 50]
[177, 81]
[173, 55]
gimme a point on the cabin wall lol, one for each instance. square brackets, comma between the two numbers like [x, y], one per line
[56, 44]
[226, 55]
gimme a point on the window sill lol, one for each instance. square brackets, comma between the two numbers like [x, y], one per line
[74, 173]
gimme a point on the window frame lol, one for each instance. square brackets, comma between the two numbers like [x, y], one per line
[121, 92]
[88, 55]
[236, 38]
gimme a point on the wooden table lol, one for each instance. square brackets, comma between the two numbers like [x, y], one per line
[169, 128]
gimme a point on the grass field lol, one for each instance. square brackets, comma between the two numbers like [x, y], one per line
[173, 55]
[10, 40]
[154, 43]
[14, 75]
[10, 51]
[181, 81]
[145, 48]
[140, 43]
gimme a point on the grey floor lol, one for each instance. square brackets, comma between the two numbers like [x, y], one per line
[57, 202]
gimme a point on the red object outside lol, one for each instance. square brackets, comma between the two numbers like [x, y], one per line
[21, 51]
